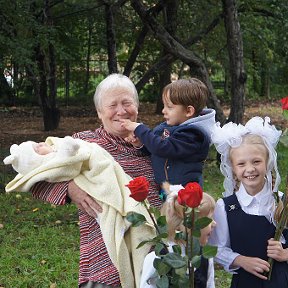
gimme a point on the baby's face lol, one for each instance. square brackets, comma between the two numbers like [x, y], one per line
[42, 148]
[206, 231]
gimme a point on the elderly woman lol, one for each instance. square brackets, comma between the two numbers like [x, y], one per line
[115, 98]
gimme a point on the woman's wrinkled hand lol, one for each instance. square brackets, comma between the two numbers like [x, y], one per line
[83, 200]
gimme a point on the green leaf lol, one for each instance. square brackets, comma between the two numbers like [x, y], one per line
[202, 222]
[161, 221]
[155, 212]
[285, 114]
[161, 267]
[163, 282]
[209, 251]
[159, 237]
[174, 260]
[182, 272]
[196, 261]
[284, 137]
[196, 232]
[177, 249]
[159, 248]
[144, 242]
[136, 219]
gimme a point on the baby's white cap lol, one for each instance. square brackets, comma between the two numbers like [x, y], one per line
[23, 157]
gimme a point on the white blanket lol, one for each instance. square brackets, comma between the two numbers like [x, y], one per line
[95, 171]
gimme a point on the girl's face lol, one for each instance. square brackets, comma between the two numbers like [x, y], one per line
[115, 105]
[175, 114]
[249, 165]
[206, 231]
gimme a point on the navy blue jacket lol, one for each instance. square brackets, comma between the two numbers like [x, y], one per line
[177, 152]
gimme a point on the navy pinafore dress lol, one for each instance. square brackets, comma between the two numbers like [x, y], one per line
[248, 236]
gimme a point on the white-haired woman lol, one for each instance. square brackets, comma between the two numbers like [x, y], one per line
[115, 98]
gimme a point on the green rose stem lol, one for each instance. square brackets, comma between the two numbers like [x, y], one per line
[151, 216]
[280, 226]
[189, 248]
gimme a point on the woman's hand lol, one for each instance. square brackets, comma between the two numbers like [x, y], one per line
[276, 251]
[253, 265]
[83, 200]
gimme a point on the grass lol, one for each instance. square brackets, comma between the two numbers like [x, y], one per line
[40, 242]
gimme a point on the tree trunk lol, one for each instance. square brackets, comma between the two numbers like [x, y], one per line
[67, 82]
[111, 42]
[236, 62]
[170, 20]
[178, 51]
[87, 76]
[136, 50]
[6, 90]
[265, 81]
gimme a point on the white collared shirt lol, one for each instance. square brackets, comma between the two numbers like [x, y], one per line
[262, 204]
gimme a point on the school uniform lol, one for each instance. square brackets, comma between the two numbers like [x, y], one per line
[243, 228]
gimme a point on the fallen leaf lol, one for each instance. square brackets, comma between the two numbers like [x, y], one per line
[35, 209]
[1, 227]
[43, 262]
[58, 222]
[53, 285]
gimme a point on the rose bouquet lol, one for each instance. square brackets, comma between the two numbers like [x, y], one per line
[173, 267]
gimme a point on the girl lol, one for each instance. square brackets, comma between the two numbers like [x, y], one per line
[204, 275]
[245, 230]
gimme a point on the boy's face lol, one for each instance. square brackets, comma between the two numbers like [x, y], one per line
[175, 114]
[206, 231]
[249, 165]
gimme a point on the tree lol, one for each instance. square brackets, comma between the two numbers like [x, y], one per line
[179, 51]
[236, 60]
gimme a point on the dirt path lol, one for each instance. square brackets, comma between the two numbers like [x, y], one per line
[20, 124]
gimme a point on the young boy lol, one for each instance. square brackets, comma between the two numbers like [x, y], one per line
[179, 145]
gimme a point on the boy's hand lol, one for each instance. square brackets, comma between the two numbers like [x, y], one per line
[128, 124]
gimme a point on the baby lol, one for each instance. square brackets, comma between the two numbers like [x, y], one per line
[30, 155]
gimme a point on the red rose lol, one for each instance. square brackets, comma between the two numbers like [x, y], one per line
[191, 195]
[139, 188]
[285, 103]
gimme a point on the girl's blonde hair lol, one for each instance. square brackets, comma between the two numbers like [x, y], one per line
[174, 212]
[253, 139]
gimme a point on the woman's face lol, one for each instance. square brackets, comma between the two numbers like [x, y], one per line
[117, 104]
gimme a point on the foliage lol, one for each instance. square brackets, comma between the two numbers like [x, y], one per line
[264, 27]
